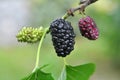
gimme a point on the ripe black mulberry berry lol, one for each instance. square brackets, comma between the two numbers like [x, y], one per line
[88, 28]
[62, 36]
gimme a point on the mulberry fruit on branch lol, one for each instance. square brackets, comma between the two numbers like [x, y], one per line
[62, 36]
[30, 34]
[88, 28]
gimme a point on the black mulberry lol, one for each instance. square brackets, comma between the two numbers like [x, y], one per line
[62, 36]
[88, 28]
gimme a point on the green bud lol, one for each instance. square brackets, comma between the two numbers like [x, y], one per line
[30, 34]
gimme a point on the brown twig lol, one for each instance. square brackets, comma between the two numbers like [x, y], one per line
[81, 8]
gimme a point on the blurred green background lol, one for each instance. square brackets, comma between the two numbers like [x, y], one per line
[18, 59]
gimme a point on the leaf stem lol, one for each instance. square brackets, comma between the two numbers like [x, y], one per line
[63, 73]
[39, 49]
[65, 62]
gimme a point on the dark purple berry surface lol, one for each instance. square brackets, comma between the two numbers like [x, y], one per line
[62, 36]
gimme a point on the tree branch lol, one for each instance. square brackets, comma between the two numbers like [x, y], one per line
[82, 5]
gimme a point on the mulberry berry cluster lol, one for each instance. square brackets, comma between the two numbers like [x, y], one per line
[62, 36]
[62, 32]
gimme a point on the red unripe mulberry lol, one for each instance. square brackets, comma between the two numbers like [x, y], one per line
[88, 28]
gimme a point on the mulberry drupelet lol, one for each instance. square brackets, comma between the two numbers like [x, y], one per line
[62, 36]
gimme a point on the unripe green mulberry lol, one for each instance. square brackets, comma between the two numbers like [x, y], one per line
[30, 35]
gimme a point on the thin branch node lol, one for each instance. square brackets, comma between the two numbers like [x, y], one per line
[70, 12]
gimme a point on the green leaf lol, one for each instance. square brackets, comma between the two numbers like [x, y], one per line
[81, 72]
[39, 75]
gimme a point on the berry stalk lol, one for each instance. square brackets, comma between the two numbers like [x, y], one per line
[39, 48]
